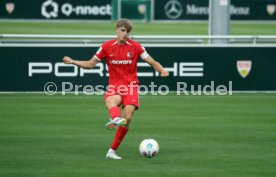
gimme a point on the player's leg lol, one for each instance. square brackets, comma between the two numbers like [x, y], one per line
[128, 113]
[121, 132]
[112, 103]
[130, 103]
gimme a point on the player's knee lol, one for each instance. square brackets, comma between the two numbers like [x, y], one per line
[110, 103]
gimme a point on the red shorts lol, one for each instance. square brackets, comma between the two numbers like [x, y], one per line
[129, 95]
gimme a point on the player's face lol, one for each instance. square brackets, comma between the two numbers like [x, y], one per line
[122, 34]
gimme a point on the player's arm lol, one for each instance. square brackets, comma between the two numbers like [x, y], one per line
[83, 64]
[157, 66]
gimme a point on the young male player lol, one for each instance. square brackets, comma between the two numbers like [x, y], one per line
[121, 55]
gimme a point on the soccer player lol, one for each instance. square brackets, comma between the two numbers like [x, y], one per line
[121, 55]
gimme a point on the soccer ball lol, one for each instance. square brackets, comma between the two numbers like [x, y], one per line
[149, 148]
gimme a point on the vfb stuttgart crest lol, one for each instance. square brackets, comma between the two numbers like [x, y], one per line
[270, 8]
[244, 67]
[10, 7]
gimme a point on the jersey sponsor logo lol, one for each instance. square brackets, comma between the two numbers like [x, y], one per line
[121, 62]
[244, 67]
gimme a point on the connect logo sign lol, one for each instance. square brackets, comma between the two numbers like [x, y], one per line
[49, 9]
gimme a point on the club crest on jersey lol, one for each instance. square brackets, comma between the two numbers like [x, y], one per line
[129, 55]
[244, 67]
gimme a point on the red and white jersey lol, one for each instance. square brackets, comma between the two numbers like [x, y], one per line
[121, 60]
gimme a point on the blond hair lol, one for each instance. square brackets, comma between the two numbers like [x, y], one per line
[125, 23]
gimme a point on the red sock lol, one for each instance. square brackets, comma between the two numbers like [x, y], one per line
[119, 136]
[115, 112]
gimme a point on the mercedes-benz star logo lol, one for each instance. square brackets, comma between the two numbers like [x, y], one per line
[173, 9]
[54, 9]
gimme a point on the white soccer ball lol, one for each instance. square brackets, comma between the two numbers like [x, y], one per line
[149, 148]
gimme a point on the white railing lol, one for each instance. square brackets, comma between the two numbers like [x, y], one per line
[144, 39]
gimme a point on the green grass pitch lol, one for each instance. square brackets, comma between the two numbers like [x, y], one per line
[107, 28]
[206, 136]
